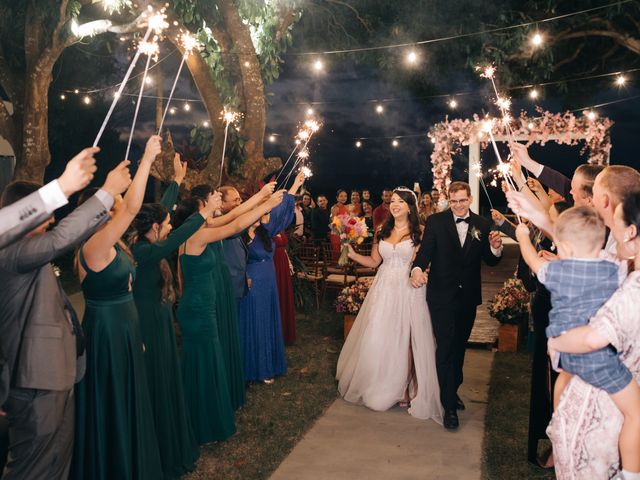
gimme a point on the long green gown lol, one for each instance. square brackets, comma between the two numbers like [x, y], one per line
[177, 443]
[204, 374]
[227, 316]
[115, 434]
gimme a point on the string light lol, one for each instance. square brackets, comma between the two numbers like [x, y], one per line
[530, 126]
[379, 109]
[533, 94]
[358, 144]
[453, 104]
[62, 96]
[621, 80]
[172, 111]
[272, 138]
[310, 111]
[205, 124]
[537, 39]
[76, 91]
[86, 100]
[395, 143]
[148, 80]
[318, 66]
[246, 64]
[412, 57]
[591, 115]
[187, 107]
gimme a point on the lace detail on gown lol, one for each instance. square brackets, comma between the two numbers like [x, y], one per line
[393, 323]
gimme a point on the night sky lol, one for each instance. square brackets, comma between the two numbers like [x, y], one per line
[343, 97]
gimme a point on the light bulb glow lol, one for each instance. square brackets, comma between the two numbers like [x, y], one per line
[621, 80]
[172, 111]
[63, 96]
[205, 124]
[272, 138]
[148, 80]
[318, 66]
[453, 104]
[395, 143]
[537, 40]
[309, 111]
[86, 100]
[533, 94]
[187, 107]
[412, 57]
[591, 115]
[379, 109]
[358, 144]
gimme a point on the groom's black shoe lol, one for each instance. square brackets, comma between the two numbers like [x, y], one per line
[459, 403]
[451, 420]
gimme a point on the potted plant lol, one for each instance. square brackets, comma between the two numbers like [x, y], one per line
[350, 299]
[510, 307]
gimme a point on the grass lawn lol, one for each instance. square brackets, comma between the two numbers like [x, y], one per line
[507, 420]
[276, 416]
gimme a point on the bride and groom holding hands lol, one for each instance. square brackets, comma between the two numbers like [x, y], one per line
[408, 342]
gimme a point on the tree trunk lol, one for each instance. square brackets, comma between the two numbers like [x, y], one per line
[34, 157]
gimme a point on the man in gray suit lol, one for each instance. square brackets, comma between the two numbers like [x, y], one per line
[20, 217]
[40, 335]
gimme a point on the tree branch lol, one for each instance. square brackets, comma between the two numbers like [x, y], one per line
[622, 39]
[362, 21]
[286, 17]
[570, 58]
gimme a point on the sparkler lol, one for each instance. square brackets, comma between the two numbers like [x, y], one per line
[156, 23]
[189, 44]
[303, 136]
[306, 171]
[478, 171]
[229, 117]
[151, 50]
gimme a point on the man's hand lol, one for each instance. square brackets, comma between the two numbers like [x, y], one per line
[118, 179]
[153, 149]
[521, 154]
[495, 240]
[553, 354]
[526, 207]
[79, 171]
[275, 199]
[534, 185]
[213, 204]
[418, 278]
[179, 169]
[267, 190]
[516, 171]
[497, 217]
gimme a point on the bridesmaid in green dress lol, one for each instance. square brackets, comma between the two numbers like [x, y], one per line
[154, 297]
[226, 306]
[115, 434]
[204, 373]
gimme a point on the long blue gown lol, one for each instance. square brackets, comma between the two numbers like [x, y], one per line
[260, 324]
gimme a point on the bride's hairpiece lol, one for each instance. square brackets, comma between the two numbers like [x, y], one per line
[405, 189]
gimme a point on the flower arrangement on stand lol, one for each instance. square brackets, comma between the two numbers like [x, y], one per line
[349, 229]
[510, 307]
[350, 299]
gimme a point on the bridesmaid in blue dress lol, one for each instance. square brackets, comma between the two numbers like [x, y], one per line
[260, 324]
[206, 387]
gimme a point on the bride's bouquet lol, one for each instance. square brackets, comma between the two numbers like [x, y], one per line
[349, 229]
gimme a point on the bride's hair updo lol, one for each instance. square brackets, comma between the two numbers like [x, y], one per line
[414, 219]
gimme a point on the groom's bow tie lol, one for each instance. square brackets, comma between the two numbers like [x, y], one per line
[460, 220]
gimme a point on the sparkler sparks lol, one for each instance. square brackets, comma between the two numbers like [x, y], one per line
[157, 22]
[189, 43]
[306, 171]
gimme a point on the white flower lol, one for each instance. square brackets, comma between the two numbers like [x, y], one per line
[475, 233]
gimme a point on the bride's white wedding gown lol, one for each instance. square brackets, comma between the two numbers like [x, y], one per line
[393, 326]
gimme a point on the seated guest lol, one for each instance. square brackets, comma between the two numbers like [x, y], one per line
[381, 212]
[41, 336]
[355, 208]
[320, 220]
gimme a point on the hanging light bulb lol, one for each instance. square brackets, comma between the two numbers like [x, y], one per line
[379, 109]
[395, 143]
[187, 107]
[621, 80]
[76, 91]
[309, 111]
[272, 138]
[358, 144]
[318, 66]
[412, 57]
[86, 100]
[537, 39]
[453, 103]
[591, 115]
[148, 80]
[172, 111]
[533, 94]
[63, 96]
[205, 124]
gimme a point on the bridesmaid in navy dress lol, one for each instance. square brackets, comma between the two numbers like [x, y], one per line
[260, 323]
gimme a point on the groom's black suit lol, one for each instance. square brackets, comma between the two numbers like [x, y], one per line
[453, 290]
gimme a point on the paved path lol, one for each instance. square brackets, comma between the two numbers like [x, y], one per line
[353, 442]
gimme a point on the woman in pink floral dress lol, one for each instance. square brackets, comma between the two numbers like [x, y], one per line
[586, 425]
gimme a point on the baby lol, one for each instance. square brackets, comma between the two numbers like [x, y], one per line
[580, 282]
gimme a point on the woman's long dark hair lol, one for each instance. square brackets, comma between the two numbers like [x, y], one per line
[414, 219]
[264, 237]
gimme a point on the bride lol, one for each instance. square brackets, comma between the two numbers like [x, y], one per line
[389, 355]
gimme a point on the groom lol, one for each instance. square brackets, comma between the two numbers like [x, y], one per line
[454, 243]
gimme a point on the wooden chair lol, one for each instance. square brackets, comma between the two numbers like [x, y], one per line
[313, 271]
[336, 277]
[360, 270]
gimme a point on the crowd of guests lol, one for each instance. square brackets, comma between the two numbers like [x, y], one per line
[112, 396]
[580, 258]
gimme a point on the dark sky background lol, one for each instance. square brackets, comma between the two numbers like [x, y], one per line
[343, 97]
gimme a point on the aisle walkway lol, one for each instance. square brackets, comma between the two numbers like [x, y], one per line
[351, 442]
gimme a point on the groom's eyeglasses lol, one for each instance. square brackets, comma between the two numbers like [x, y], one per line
[458, 202]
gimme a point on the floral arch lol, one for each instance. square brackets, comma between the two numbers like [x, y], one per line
[450, 136]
